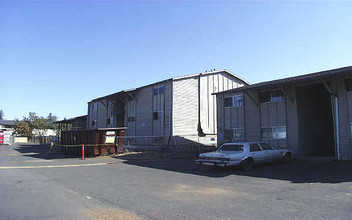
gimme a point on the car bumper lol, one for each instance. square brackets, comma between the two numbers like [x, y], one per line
[217, 162]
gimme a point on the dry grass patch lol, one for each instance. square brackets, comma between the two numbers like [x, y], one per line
[192, 193]
[113, 214]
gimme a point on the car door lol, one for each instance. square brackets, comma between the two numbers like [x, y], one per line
[269, 153]
[256, 153]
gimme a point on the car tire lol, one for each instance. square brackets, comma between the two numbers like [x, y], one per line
[287, 157]
[247, 164]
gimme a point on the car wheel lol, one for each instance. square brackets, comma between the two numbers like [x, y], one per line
[247, 164]
[287, 157]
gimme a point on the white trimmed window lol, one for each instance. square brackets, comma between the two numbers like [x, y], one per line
[159, 90]
[234, 134]
[276, 132]
[271, 96]
[234, 101]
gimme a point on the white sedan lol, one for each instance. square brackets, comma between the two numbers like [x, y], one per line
[244, 154]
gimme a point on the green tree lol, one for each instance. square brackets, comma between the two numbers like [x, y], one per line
[41, 125]
[23, 128]
[35, 123]
[51, 119]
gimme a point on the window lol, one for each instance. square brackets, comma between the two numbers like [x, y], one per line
[234, 134]
[277, 96]
[267, 133]
[235, 101]
[94, 122]
[157, 115]
[266, 146]
[278, 132]
[228, 134]
[271, 96]
[232, 147]
[238, 134]
[228, 102]
[255, 147]
[158, 90]
[111, 103]
[95, 106]
[161, 90]
[348, 83]
[238, 100]
[264, 97]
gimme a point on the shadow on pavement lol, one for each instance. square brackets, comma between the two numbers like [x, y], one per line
[297, 171]
[41, 151]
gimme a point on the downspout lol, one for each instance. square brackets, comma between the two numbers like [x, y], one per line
[337, 128]
[200, 130]
[170, 113]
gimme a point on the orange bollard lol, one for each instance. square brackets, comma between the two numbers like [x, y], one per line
[51, 147]
[82, 151]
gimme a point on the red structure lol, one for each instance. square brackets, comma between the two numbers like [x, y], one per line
[1, 138]
[96, 142]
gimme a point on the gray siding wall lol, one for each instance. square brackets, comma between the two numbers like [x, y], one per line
[344, 112]
[159, 106]
[291, 119]
[185, 107]
[252, 119]
[89, 116]
[92, 115]
[273, 114]
[210, 84]
[102, 113]
[167, 110]
[130, 111]
[109, 113]
[146, 104]
[220, 118]
[284, 113]
[144, 111]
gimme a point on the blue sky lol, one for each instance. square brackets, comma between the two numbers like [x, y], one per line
[55, 56]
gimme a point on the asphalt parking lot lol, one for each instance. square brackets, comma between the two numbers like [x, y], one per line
[36, 185]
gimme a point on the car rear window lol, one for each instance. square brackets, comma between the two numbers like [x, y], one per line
[234, 147]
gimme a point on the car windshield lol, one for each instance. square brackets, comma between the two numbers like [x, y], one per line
[232, 147]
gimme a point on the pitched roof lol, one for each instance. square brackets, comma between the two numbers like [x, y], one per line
[72, 119]
[290, 80]
[170, 79]
[7, 122]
